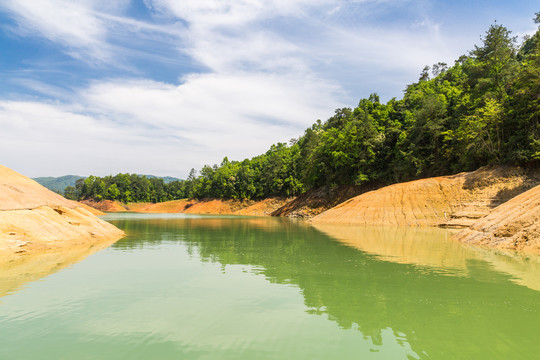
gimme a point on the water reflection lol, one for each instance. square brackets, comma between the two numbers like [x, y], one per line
[394, 282]
[16, 270]
[434, 248]
[388, 294]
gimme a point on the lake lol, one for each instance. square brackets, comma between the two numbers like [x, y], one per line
[218, 287]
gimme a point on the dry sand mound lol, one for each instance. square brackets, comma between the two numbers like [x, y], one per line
[513, 225]
[33, 217]
[456, 200]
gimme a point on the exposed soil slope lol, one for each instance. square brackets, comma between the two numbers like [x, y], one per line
[210, 206]
[265, 207]
[455, 201]
[18, 192]
[205, 206]
[105, 205]
[35, 218]
[513, 225]
[316, 201]
[234, 207]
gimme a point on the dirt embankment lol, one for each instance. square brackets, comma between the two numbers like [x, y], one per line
[235, 207]
[454, 201]
[316, 201]
[514, 225]
[116, 206]
[33, 218]
[264, 207]
[105, 205]
[205, 206]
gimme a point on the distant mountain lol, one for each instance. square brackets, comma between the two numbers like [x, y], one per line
[58, 184]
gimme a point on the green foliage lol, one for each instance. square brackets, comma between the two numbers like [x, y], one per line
[483, 110]
[127, 188]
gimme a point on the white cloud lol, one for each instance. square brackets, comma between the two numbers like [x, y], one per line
[153, 127]
[85, 28]
[272, 68]
[228, 37]
[214, 13]
[71, 23]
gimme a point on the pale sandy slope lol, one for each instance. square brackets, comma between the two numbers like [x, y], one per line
[513, 225]
[456, 200]
[34, 218]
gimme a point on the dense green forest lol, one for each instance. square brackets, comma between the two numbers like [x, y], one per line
[483, 110]
[126, 188]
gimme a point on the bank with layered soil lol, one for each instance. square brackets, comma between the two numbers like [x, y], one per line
[203, 206]
[35, 219]
[514, 225]
[449, 201]
[497, 207]
[477, 201]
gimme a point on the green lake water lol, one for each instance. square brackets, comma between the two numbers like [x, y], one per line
[209, 287]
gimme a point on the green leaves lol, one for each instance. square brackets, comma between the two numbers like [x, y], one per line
[485, 109]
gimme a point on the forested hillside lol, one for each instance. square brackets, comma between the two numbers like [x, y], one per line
[126, 188]
[58, 184]
[483, 110]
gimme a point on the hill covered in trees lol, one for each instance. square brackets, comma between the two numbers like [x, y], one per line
[483, 110]
[58, 184]
[127, 188]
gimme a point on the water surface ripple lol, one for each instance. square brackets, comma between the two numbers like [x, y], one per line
[217, 287]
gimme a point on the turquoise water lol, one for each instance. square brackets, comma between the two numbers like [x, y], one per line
[208, 287]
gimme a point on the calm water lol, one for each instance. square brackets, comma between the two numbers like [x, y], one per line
[195, 287]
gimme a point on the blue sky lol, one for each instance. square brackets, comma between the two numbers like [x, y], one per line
[161, 86]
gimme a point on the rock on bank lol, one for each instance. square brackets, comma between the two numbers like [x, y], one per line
[33, 217]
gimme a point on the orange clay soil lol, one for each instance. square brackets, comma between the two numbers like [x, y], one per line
[316, 201]
[234, 207]
[174, 206]
[263, 208]
[204, 206]
[453, 201]
[33, 218]
[105, 205]
[514, 225]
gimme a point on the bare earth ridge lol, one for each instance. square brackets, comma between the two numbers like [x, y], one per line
[457, 201]
[513, 225]
[33, 218]
[452, 201]
[204, 206]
